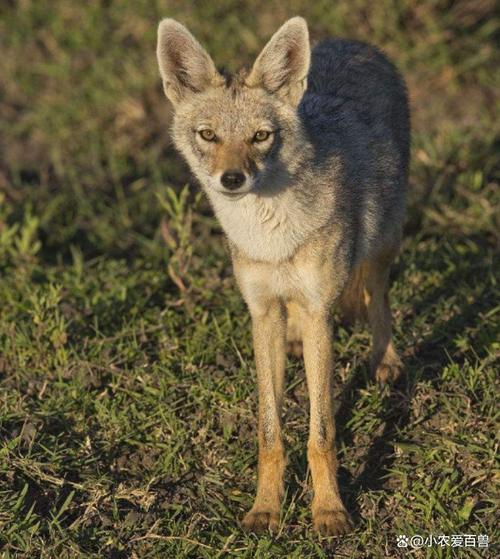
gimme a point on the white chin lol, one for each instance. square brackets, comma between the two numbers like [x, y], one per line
[234, 195]
[216, 188]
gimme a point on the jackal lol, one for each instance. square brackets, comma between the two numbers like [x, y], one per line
[304, 159]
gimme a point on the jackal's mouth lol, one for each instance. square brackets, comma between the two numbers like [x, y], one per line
[235, 195]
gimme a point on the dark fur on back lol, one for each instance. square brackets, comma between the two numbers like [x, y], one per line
[361, 81]
[361, 85]
[355, 110]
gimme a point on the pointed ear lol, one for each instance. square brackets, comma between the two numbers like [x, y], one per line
[185, 66]
[283, 65]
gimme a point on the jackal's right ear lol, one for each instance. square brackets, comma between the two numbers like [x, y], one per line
[185, 66]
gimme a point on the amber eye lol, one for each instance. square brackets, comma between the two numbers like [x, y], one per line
[261, 135]
[207, 134]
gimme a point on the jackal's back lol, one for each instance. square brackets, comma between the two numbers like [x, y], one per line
[353, 83]
[355, 110]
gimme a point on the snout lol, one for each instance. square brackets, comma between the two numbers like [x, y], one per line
[233, 179]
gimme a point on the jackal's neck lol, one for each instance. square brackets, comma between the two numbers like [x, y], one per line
[270, 228]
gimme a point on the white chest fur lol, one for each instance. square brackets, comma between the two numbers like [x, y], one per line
[268, 229]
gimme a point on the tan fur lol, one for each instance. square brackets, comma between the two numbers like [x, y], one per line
[306, 289]
[293, 330]
[314, 224]
[385, 362]
[352, 301]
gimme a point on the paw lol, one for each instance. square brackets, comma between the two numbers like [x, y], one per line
[332, 522]
[260, 521]
[294, 348]
[388, 373]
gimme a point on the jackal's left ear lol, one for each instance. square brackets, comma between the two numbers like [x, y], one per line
[283, 65]
[185, 66]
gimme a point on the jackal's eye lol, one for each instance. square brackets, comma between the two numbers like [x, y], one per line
[207, 134]
[261, 135]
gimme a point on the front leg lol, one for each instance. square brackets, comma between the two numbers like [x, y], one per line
[269, 331]
[329, 514]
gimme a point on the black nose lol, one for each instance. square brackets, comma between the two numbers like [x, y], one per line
[232, 179]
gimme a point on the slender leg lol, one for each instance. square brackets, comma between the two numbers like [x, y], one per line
[385, 362]
[269, 330]
[293, 330]
[329, 514]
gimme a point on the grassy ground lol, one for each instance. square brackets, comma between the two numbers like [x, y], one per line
[127, 393]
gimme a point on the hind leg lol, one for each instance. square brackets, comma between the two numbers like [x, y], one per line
[293, 331]
[385, 362]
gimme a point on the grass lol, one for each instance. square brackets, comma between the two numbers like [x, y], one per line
[127, 392]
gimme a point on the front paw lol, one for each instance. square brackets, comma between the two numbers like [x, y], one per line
[259, 521]
[332, 522]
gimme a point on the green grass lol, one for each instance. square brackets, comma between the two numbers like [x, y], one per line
[127, 389]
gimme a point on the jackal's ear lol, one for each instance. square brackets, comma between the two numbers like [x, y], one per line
[283, 65]
[185, 66]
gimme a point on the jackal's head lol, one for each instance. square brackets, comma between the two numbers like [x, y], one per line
[236, 132]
